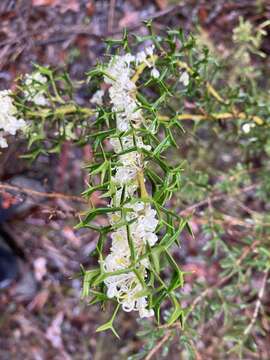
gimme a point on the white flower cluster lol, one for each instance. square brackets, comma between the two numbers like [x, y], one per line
[9, 124]
[126, 286]
[122, 90]
[35, 90]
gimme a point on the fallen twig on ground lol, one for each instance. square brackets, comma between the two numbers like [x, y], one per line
[51, 195]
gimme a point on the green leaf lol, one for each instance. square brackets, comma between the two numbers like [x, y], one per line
[87, 281]
[109, 324]
[177, 312]
[99, 211]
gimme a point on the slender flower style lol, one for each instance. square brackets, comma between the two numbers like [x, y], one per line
[35, 88]
[137, 213]
[9, 124]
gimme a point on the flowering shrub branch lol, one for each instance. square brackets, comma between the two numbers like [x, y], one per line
[134, 123]
[131, 270]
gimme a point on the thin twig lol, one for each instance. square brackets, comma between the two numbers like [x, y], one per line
[52, 195]
[215, 198]
[111, 16]
[158, 346]
[174, 325]
[258, 304]
[216, 116]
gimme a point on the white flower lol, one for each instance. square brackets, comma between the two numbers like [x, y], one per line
[141, 305]
[150, 50]
[124, 175]
[148, 221]
[128, 58]
[3, 141]
[141, 57]
[150, 238]
[120, 242]
[34, 91]
[9, 124]
[130, 159]
[138, 206]
[247, 127]
[119, 71]
[116, 261]
[35, 77]
[127, 142]
[184, 78]
[155, 73]
[97, 98]
[119, 285]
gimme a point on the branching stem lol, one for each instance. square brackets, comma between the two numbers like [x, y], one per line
[140, 178]
[61, 111]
